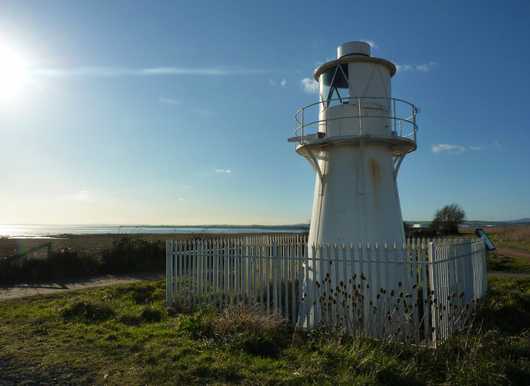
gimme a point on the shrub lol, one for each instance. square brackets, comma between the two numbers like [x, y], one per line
[252, 330]
[59, 265]
[151, 315]
[447, 219]
[129, 255]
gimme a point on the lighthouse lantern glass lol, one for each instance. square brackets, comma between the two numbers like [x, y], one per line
[334, 88]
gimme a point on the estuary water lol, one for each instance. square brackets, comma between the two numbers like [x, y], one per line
[40, 231]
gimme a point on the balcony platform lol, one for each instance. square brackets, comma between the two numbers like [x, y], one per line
[319, 141]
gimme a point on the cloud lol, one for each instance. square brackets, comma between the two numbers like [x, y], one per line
[110, 72]
[458, 149]
[180, 199]
[310, 86]
[449, 148]
[223, 171]
[424, 67]
[371, 43]
[82, 196]
[169, 101]
[274, 83]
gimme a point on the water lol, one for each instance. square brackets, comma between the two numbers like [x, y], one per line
[42, 231]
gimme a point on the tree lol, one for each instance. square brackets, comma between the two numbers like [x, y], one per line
[447, 219]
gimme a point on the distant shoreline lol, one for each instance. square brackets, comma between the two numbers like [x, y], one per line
[56, 231]
[65, 231]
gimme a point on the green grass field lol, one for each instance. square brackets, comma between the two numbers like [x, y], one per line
[513, 249]
[124, 335]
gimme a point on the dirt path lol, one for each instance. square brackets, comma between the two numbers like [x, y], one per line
[25, 290]
[512, 252]
[513, 275]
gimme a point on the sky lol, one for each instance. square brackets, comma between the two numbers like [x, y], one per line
[178, 112]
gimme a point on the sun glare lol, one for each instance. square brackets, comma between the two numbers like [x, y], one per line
[13, 73]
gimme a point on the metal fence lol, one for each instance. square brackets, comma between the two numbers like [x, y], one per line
[422, 291]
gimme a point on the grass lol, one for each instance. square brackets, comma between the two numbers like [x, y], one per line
[513, 249]
[515, 237]
[125, 335]
[503, 262]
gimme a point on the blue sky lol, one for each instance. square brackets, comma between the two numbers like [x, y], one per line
[178, 112]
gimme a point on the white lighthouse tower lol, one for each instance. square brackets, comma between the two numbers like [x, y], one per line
[355, 137]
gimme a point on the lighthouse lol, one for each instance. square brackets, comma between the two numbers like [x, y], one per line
[355, 137]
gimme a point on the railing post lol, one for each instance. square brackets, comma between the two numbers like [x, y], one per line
[359, 113]
[394, 115]
[168, 275]
[302, 131]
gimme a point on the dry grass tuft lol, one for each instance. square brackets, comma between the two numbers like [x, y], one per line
[249, 319]
[513, 233]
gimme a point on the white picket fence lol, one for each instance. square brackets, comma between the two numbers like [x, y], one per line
[422, 291]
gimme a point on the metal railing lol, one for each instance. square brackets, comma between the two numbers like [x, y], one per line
[401, 113]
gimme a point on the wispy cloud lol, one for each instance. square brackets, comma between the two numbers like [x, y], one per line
[458, 149]
[149, 71]
[454, 149]
[223, 171]
[82, 196]
[424, 67]
[169, 101]
[371, 43]
[282, 82]
[310, 86]
[448, 148]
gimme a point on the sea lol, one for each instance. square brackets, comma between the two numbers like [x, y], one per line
[54, 231]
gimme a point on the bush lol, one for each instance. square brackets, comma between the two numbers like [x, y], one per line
[151, 315]
[134, 255]
[59, 265]
[447, 219]
[252, 331]
[241, 328]
[127, 255]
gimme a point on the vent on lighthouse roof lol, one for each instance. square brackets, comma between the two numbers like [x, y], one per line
[353, 48]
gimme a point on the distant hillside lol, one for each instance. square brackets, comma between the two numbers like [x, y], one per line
[521, 221]
[480, 223]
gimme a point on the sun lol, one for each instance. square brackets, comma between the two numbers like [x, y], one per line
[14, 73]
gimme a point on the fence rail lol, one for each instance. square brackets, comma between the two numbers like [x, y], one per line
[421, 291]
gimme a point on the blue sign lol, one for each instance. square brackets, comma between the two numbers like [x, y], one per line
[485, 239]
